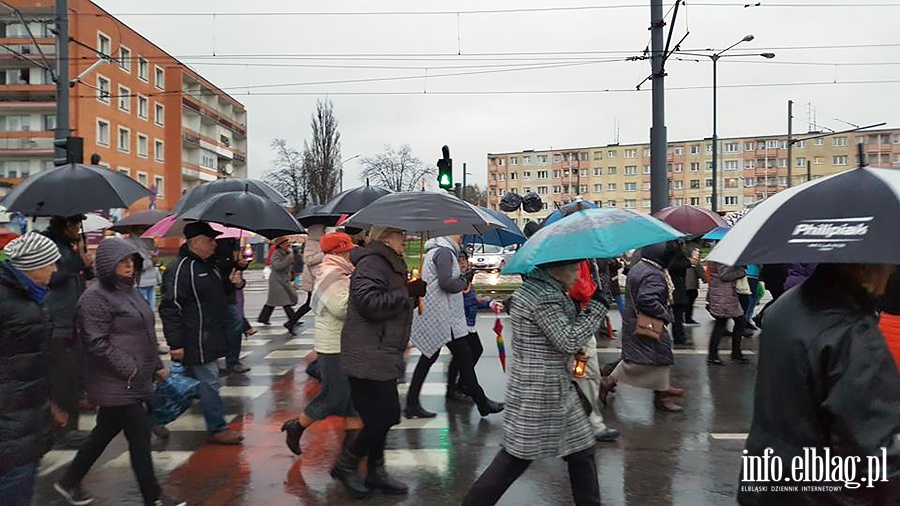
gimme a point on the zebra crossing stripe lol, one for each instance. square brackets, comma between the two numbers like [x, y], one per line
[728, 436]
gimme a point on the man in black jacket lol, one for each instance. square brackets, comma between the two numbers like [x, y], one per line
[24, 409]
[194, 315]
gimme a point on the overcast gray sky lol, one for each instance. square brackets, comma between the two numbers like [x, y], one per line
[429, 112]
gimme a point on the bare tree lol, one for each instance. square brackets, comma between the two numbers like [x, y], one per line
[288, 175]
[323, 153]
[397, 170]
[474, 194]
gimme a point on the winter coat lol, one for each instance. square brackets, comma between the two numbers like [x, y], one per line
[149, 275]
[774, 277]
[194, 309]
[25, 422]
[118, 330]
[798, 273]
[281, 289]
[544, 416]
[722, 296]
[379, 317]
[225, 262]
[443, 317]
[473, 305]
[66, 286]
[678, 268]
[330, 297]
[614, 266]
[647, 291]
[693, 276]
[312, 257]
[825, 380]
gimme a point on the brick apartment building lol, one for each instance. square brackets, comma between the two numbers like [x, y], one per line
[144, 112]
[750, 169]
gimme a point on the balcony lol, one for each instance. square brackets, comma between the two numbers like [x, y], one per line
[191, 139]
[27, 92]
[27, 146]
[240, 157]
[27, 106]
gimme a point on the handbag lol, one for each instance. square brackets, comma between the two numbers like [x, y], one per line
[648, 327]
[742, 286]
[173, 396]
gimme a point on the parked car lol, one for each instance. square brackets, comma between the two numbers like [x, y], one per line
[487, 257]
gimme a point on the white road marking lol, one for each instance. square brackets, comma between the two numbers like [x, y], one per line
[282, 354]
[437, 461]
[726, 436]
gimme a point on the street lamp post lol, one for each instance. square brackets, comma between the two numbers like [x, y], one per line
[341, 177]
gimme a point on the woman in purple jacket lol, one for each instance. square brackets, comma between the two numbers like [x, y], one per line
[118, 331]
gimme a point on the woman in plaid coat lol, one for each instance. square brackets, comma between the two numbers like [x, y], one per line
[544, 415]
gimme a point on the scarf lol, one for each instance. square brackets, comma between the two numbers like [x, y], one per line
[669, 284]
[37, 292]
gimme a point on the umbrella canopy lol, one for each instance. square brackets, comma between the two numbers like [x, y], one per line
[6, 236]
[436, 214]
[690, 219]
[94, 222]
[311, 216]
[248, 211]
[578, 204]
[593, 233]
[146, 218]
[816, 222]
[74, 189]
[735, 216]
[716, 234]
[204, 191]
[352, 200]
[507, 235]
[173, 226]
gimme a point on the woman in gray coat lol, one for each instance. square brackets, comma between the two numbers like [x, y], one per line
[281, 290]
[723, 303]
[544, 414]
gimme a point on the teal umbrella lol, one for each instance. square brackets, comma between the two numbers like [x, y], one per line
[592, 233]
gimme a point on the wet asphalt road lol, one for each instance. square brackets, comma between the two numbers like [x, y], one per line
[689, 458]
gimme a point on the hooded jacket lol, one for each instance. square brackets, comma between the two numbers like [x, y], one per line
[647, 291]
[193, 308]
[24, 395]
[722, 295]
[379, 316]
[330, 296]
[118, 330]
[443, 318]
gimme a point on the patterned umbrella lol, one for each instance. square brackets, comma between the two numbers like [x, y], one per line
[735, 216]
[501, 346]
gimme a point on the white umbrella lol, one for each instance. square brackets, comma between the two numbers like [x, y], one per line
[94, 222]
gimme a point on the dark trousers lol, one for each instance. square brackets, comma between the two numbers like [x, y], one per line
[266, 313]
[135, 421]
[378, 404]
[692, 294]
[718, 333]
[234, 327]
[462, 353]
[679, 312]
[17, 485]
[475, 346]
[505, 469]
[301, 311]
[62, 377]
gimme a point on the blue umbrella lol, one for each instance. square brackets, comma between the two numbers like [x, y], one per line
[716, 234]
[508, 235]
[593, 233]
[576, 205]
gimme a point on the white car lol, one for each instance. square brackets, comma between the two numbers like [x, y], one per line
[487, 257]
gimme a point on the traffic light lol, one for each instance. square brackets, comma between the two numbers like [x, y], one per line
[68, 150]
[445, 170]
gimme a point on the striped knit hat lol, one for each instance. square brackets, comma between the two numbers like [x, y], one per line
[31, 252]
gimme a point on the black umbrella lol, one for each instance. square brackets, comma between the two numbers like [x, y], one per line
[245, 210]
[352, 200]
[311, 216]
[436, 214]
[146, 218]
[846, 218]
[200, 193]
[73, 189]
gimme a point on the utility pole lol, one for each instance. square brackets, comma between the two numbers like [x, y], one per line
[659, 185]
[464, 180]
[790, 155]
[62, 74]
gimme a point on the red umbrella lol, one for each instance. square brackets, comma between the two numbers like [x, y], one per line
[690, 219]
[6, 236]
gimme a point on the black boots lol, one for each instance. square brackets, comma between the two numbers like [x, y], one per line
[489, 407]
[378, 479]
[293, 430]
[346, 470]
[417, 411]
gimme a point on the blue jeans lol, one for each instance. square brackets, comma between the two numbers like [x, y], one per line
[234, 327]
[17, 485]
[208, 392]
[149, 294]
[753, 301]
[620, 302]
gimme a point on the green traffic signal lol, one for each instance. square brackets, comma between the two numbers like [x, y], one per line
[445, 181]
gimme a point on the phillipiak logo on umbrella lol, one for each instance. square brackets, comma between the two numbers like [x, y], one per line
[832, 233]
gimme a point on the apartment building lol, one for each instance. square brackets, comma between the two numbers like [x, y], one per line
[145, 113]
[750, 169]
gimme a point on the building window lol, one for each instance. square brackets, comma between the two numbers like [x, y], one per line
[103, 89]
[695, 184]
[125, 59]
[557, 158]
[542, 190]
[708, 166]
[143, 107]
[630, 153]
[158, 150]
[159, 114]
[502, 177]
[679, 167]
[598, 155]
[208, 159]
[557, 189]
[514, 160]
[49, 122]
[731, 200]
[695, 166]
[598, 171]
[645, 186]
[840, 141]
[695, 149]
[526, 160]
[800, 144]
[125, 170]
[839, 160]
[630, 203]
[677, 185]
[556, 174]
[646, 203]
[103, 132]
[749, 164]
[695, 201]
[160, 186]
[819, 142]
[104, 45]
[611, 153]
[732, 165]
[800, 162]
[583, 188]
[677, 202]
[598, 188]
[782, 162]
[124, 98]
[582, 157]
[542, 158]
[611, 171]
[513, 176]
[610, 203]
[143, 69]
[709, 148]
[631, 187]
[732, 147]
[160, 77]
[748, 146]
[142, 178]
[819, 160]
[679, 151]
[611, 187]
[631, 170]
[646, 169]
[646, 152]
[709, 183]
[542, 174]
[526, 174]
[124, 140]
[142, 145]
